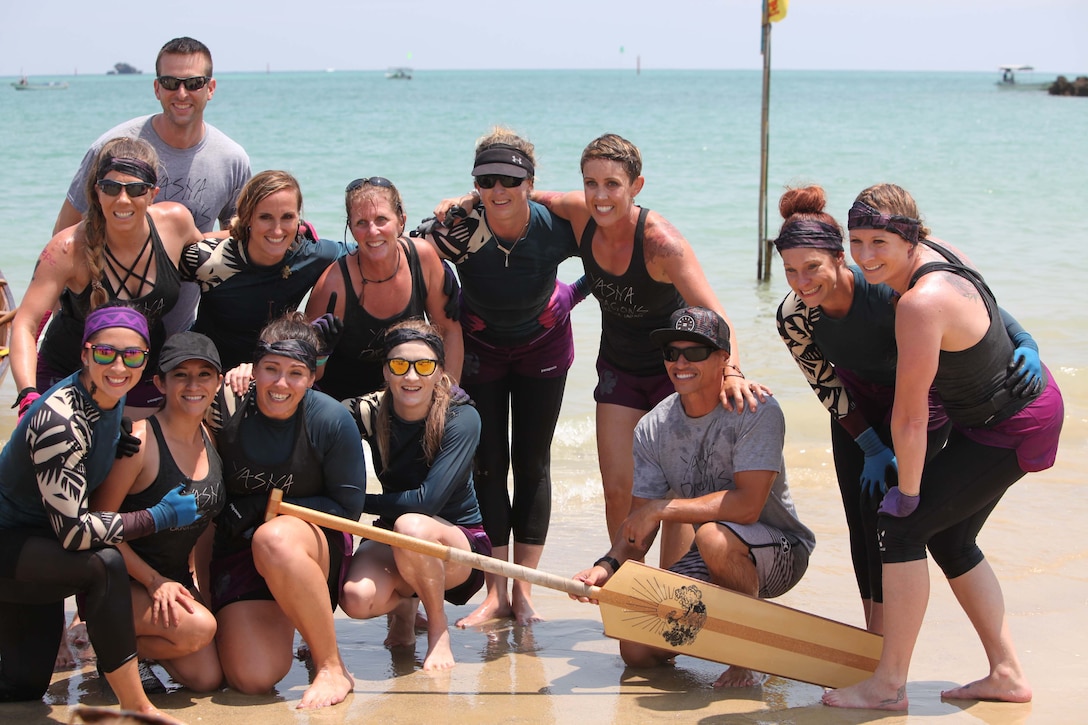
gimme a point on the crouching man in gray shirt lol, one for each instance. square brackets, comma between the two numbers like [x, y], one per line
[722, 472]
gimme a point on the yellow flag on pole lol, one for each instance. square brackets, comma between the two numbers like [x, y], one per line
[776, 9]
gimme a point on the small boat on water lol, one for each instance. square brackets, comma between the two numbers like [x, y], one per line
[1008, 80]
[23, 84]
[399, 74]
[7, 314]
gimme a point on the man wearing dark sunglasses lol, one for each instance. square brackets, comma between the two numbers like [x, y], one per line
[722, 472]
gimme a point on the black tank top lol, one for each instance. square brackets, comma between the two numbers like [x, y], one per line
[61, 347]
[355, 366]
[633, 304]
[167, 552]
[971, 382]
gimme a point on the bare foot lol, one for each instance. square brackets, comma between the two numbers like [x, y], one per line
[87, 714]
[870, 695]
[402, 630]
[740, 677]
[330, 686]
[523, 610]
[998, 686]
[66, 660]
[439, 655]
[490, 608]
[77, 634]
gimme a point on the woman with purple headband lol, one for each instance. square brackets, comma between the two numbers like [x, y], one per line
[51, 545]
[950, 336]
[124, 249]
[270, 579]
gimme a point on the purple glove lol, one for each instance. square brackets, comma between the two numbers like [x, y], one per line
[898, 504]
[563, 300]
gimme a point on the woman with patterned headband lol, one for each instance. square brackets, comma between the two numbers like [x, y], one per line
[269, 579]
[515, 315]
[125, 248]
[388, 278]
[51, 545]
[949, 336]
[422, 439]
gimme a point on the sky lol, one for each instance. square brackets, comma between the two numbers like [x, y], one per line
[249, 35]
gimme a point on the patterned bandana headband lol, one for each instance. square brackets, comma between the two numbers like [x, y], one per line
[406, 334]
[125, 317]
[125, 165]
[811, 234]
[863, 216]
[299, 350]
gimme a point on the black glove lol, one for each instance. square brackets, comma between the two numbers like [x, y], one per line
[329, 327]
[452, 290]
[128, 445]
[241, 516]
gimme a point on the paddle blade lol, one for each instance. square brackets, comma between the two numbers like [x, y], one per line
[683, 615]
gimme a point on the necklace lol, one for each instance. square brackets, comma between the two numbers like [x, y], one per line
[507, 251]
[384, 279]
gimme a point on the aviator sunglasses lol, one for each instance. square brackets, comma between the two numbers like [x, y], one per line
[399, 366]
[691, 354]
[488, 181]
[192, 83]
[132, 357]
[109, 187]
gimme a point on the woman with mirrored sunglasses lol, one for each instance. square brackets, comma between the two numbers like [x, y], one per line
[518, 349]
[422, 437]
[51, 544]
[389, 277]
[125, 248]
[270, 579]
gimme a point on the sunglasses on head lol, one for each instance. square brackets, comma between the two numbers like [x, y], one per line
[109, 187]
[192, 83]
[399, 366]
[373, 181]
[488, 181]
[691, 354]
[132, 357]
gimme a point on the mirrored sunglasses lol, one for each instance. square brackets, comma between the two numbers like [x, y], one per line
[131, 357]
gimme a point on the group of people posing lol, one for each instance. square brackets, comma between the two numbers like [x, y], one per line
[177, 383]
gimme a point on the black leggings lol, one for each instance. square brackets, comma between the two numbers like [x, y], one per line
[960, 487]
[860, 508]
[36, 575]
[535, 404]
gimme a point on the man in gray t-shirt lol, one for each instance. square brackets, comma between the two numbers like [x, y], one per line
[720, 471]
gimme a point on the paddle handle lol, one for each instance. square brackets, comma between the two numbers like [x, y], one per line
[8, 316]
[276, 506]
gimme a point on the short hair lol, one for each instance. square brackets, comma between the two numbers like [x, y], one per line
[612, 147]
[184, 46]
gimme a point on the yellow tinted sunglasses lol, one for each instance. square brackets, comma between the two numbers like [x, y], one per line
[399, 366]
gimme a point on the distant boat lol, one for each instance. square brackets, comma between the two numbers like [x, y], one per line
[123, 69]
[1008, 80]
[399, 74]
[25, 85]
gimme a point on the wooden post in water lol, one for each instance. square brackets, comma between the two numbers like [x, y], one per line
[763, 264]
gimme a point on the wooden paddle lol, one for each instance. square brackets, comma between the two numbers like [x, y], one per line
[658, 608]
[8, 316]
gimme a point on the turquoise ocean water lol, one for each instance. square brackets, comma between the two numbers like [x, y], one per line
[1000, 174]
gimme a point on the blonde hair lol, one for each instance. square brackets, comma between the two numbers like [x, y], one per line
[256, 190]
[894, 200]
[507, 136]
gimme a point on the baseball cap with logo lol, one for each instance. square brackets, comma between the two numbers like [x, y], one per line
[505, 160]
[694, 324]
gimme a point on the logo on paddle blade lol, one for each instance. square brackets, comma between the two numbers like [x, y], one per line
[684, 614]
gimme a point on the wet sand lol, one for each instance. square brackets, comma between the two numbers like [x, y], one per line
[565, 670]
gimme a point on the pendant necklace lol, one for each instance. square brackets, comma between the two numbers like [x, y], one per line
[504, 250]
[384, 279]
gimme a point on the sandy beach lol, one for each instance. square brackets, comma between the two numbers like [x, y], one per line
[565, 670]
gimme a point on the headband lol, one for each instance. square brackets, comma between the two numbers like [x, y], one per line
[402, 335]
[811, 234]
[127, 165]
[116, 316]
[299, 350]
[863, 216]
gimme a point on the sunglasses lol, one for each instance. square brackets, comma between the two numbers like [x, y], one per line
[132, 357]
[399, 366]
[691, 354]
[373, 181]
[109, 187]
[192, 83]
[488, 181]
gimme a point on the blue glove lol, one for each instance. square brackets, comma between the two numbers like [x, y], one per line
[1025, 371]
[176, 509]
[562, 301]
[898, 504]
[878, 457]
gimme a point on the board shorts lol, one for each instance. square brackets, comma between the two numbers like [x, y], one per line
[479, 544]
[641, 392]
[235, 577]
[780, 559]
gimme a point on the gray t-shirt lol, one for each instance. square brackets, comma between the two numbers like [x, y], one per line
[696, 456]
[205, 178]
